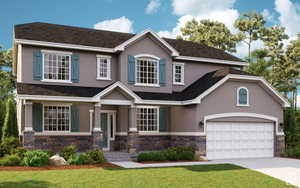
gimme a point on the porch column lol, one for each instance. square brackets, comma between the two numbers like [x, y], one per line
[97, 132]
[28, 133]
[132, 133]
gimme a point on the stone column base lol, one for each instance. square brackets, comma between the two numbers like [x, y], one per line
[97, 137]
[28, 139]
[280, 145]
[132, 141]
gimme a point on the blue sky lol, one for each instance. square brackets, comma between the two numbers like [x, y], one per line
[133, 15]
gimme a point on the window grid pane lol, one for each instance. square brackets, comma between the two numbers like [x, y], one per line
[56, 118]
[243, 96]
[56, 67]
[103, 68]
[147, 119]
[146, 71]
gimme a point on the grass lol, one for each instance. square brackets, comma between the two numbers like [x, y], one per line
[224, 175]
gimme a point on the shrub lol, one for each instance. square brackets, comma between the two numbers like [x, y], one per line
[20, 152]
[78, 160]
[297, 151]
[10, 127]
[35, 158]
[8, 145]
[50, 152]
[170, 154]
[95, 156]
[10, 160]
[68, 152]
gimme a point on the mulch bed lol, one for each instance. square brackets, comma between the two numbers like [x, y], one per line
[66, 167]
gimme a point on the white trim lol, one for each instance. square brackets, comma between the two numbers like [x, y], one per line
[112, 87]
[28, 129]
[116, 102]
[56, 81]
[211, 60]
[56, 52]
[238, 96]
[91, 119]
[108, 74]
[242, 114]
[171, 133]
[182, 73]
[64, 45]
[97, 129]
[132, 129]
[147, 55]
[122, 46]
[121, 133]
[62, 133]
[56, 98]
[146, 85]
[19, 63]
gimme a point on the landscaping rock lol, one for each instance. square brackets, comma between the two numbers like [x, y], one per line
[57, 160]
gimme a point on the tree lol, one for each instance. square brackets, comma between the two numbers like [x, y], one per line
[2, 116]
[259, 65]
[250, 26]
[210, 33]
[10, 127]
[7, 80]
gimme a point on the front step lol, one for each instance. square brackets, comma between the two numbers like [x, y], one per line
[118, 156]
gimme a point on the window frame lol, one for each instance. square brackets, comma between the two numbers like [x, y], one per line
[56, 105]
[147, 57]
[238, 96]
[157, 118]
[108, 73]
[182, 73]
[62, 53]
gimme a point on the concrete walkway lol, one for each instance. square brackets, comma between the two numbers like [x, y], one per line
[287, 170]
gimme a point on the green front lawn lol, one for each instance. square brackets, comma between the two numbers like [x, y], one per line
[193, 176]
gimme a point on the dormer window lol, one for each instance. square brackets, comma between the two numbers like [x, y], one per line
[103, 67]
[242, 96]
[147, 71]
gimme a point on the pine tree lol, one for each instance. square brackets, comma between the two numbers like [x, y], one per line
[10, 127]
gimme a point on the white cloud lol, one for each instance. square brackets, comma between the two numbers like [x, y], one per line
[289, 16]
[152, 6]
[268, 15]
[242, 48]
[196, 7]
[121, 24]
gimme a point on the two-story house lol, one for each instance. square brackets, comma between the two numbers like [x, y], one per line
[133, 92]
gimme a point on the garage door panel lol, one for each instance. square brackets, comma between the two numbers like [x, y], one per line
[239, 140]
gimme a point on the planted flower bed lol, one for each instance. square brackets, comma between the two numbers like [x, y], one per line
[11, 154]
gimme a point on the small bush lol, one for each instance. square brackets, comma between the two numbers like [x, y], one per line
[95, 156]
[8, 145]
[50, 152]
[292, 152]
[68, 152]
[78, 160]
[170, 154]
[20, 152]
[36, 158]
[10, 160]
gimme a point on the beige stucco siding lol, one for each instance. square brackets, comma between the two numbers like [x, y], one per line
[224, 100]
[87, 66]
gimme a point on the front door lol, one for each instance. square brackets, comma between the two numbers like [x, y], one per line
[108, 126]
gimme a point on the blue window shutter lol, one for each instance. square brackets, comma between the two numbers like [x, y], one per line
[75, 68]
[163, 119]
[243, 96]
[131, 69]
[74, 118]
[162, 72]
[37, 65]
[37, 117]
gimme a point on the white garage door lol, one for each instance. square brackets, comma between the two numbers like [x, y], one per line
[228, 140]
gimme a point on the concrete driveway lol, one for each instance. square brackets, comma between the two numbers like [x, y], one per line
[287, 170]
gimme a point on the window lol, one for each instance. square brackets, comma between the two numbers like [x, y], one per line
[147, 119]
[103, 67]
[56, 66]
[178, 73]
[242, 96]
[56, 118]
[147, 71]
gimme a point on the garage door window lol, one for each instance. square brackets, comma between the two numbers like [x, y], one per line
[242, 96]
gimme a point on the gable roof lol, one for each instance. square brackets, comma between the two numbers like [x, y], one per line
[62, 34]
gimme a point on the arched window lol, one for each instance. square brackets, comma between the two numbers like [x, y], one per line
[242, 96]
